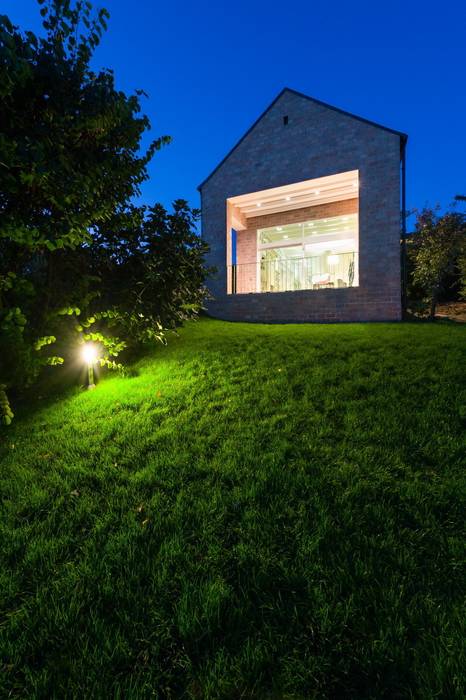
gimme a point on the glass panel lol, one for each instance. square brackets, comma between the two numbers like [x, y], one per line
[338, 227]
[280, 274]
[281, 234]
[281, 269]
[292, 251]
[344, 226]
[313, 254]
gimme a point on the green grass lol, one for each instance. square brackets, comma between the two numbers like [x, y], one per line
[262, 512]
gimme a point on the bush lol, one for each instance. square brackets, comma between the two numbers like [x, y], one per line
[436, 256]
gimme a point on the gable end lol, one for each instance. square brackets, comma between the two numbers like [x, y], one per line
[403, 136]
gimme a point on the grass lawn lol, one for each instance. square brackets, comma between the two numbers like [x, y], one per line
[261, 512]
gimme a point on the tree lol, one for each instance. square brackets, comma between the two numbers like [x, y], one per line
[142, 275]
[69, 146]
[152, 266]
[437, 244]
[462, 259]
[70, 164]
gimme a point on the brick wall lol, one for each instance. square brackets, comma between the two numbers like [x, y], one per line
[317, 142]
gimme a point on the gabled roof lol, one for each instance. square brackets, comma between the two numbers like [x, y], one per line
[403, 137]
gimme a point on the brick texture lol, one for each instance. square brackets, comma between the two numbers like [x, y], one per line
[317, 141]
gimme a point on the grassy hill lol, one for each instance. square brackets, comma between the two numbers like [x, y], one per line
[261, 512]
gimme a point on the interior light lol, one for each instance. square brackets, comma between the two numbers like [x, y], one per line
[287, 199]
[259, 204]
[346, 228]
[354, 185]
[332, 259]
[279, 228]
[310, 224]
[285, 236]
[317, 192]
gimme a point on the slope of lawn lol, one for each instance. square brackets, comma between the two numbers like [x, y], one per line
[260, 512]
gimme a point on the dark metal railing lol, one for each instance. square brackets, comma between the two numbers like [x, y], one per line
[283, 275]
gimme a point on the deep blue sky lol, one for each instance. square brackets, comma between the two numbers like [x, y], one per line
[210, 69]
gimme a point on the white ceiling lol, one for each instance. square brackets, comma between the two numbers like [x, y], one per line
[332, 188]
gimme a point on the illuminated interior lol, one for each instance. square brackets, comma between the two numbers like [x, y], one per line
[295, 237]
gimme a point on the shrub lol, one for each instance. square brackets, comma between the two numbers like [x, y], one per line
[436, 249]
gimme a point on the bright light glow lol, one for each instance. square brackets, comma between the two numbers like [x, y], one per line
[259, 204]
[288, 199]
[332, 259]
[285, 236]
[279, 228]
[317, 192]
[89, 353]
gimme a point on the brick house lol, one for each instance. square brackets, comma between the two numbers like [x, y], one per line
[303, 218]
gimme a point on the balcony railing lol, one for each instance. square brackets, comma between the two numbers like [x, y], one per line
[327, 271]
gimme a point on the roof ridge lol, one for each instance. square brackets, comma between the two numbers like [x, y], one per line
[345, 112]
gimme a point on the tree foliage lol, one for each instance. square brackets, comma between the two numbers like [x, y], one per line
[74, 252]
[438, 253]
[154, 267]
[70, 141]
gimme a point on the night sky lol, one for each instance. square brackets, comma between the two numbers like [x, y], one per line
[210, 69]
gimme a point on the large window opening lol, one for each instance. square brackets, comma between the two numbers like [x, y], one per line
[303, 236]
